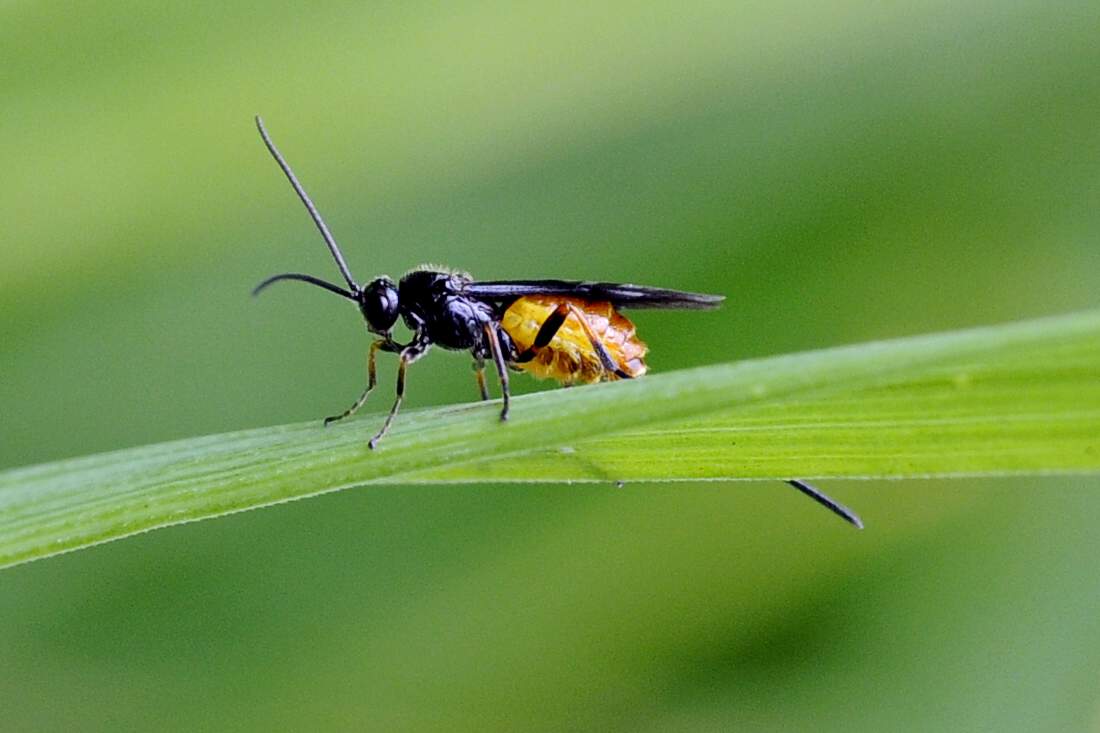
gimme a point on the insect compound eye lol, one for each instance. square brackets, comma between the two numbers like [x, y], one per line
[379, 304]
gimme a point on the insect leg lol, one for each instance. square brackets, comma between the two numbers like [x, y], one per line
[546, 333]
[372, 380]
[408, 355]
[606, 360]
[479, 370]
[827, 502]
[502, 369]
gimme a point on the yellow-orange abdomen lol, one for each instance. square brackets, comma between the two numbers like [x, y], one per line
[570, 357]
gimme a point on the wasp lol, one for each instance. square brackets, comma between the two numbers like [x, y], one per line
[570, 331]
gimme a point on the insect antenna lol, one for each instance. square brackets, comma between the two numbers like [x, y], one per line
[827, 502]
[306, 279]
[314, 214]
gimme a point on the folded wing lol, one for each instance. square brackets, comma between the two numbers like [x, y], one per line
[622, 295]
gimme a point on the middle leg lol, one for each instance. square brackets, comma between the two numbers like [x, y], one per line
[408, 355]
[479, 370]
[502, 369]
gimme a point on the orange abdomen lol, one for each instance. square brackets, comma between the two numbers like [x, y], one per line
[570, 357]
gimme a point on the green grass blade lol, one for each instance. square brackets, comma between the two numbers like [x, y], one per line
[1022, 397]
[1029, 411]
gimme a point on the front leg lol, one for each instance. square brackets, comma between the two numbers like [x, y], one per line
[409, 354]
[372, 378]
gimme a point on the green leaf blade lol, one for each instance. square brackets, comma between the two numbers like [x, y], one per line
[1017, 398]
[1006, 416]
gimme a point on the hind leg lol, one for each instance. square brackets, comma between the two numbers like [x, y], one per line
[606, 360]
[554, 322]
[546, 333]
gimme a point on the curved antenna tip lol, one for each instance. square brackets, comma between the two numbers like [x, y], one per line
[314, 214]
[350, 295]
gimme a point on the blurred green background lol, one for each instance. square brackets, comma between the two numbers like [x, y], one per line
[842, 171]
